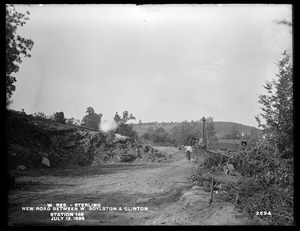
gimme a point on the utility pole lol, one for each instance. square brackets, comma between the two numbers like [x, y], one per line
[203, 134]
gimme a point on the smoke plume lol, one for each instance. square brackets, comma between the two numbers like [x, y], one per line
[108, 126]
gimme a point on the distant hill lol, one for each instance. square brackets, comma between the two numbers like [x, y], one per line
[222, 128]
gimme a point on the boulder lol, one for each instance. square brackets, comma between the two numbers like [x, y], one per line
[45, 162]
[120, 137]
[21, 168]
[13, 154]
[230, 167]
[226, 170]
[127, 158]
[43, 154]
[69, 144]
[196, 187]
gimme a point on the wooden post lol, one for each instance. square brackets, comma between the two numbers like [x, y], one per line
[211, 190]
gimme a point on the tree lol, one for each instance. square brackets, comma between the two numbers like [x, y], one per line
[15, 47]
[150, 130]
[285, 22]
[160, 135]
[126, 130]
[91, 120]
[174, 133]
[90, 110]
[185, 130]
[210, 128]
[148, 135]
[277, 107]
[125, 118]
[253, 136]
[117, 118]
[197, 129]
[59, 117]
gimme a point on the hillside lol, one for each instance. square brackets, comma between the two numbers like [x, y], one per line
[221, 128]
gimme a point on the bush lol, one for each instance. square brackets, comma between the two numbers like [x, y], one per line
[271, 184]
[41, 116]
[126, 130]
[59, 117]
[73, 121]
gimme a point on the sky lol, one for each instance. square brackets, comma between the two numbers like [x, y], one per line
[160, 62]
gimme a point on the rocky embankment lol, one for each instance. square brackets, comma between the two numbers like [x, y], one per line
[36, 142]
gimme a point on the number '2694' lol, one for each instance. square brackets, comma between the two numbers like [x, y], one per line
[263, 213]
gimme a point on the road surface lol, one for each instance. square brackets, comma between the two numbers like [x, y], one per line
[117, 194]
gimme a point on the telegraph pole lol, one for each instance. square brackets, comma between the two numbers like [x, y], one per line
[203, 133]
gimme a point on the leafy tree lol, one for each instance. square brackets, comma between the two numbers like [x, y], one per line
[117, 118]
[148, 135]
[15, 47]
[197, 129]
[91, 120]
[254, 136]
[277, 107]
[160, 135]
[90, 110]
[126, 130]
[183, 132]
[210, 128]
[59, 117]
[125, 118]
[150, 130]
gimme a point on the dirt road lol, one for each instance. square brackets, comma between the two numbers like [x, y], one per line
[129, 194]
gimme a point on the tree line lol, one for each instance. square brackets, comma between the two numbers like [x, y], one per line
[93, 121]
[182, 133]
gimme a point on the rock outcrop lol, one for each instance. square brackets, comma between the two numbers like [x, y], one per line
[33, 142]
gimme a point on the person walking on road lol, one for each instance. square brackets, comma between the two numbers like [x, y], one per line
[188, 151]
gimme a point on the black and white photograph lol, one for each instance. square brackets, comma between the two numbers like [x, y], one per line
[149, 115]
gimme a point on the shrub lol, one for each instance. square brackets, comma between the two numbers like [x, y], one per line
[271, 184]
[59, 117]
[126, 130]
